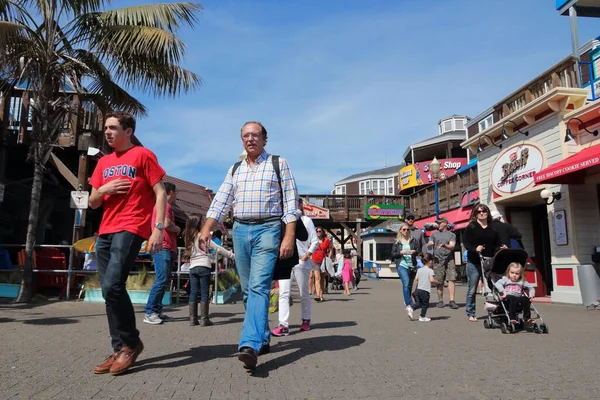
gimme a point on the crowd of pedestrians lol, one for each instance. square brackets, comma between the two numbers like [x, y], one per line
[272, 239]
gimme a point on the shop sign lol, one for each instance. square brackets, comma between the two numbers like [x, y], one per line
[515, 167]
[315, 212]
[418, 174]
[384, 211]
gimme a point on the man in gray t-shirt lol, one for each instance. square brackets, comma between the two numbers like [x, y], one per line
[442, 242]
[416, 233]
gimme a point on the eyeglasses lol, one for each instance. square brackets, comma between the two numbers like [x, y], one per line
[481, 212]
[253, 135]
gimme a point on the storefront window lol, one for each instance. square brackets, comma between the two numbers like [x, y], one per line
[384, 251]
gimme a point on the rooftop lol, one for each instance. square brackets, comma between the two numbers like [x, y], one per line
[383, 172]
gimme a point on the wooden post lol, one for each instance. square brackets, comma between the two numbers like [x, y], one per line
[24, 120]
[82, 184]
[75, 121]
[4, 113]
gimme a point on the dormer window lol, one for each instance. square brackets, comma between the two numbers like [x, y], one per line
[486, 122]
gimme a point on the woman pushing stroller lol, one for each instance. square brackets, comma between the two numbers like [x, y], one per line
[516, 291]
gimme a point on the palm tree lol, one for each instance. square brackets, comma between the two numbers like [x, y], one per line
[47, 46]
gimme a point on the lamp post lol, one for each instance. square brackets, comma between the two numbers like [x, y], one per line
[435, 171]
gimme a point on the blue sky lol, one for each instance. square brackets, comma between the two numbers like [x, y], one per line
[345, 86]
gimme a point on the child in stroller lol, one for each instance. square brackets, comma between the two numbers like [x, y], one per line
[508, 298]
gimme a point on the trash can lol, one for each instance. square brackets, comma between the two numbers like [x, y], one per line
[589, 283]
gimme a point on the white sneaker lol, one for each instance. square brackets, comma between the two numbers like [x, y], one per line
[424, 319]
[152, 319]
[409, 311]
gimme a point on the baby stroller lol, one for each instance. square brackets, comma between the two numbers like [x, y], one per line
[493, 270]
[336, 283]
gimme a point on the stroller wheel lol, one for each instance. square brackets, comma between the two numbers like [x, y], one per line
[544, 328]
[537, 329]
[503, 327]
[486, 324]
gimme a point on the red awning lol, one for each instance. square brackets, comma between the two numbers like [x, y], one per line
[571, 169]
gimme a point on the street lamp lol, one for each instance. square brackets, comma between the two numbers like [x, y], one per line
[435, 171]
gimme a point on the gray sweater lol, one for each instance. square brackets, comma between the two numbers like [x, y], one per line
[514, 288]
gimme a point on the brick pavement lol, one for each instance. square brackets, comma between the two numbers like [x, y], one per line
[361, 347]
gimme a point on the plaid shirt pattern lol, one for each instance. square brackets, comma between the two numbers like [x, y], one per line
[254, 192]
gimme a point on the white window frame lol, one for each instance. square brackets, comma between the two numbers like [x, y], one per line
[444, 130]
[486, 123]
[390, 186]
[464, 124]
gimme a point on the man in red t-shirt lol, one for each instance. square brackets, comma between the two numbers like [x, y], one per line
[163, 260]
[324, 250]
[128, 184]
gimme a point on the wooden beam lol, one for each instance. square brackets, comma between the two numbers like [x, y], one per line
[529, 119]
[75, 124]
[559, 105]
[64, 170]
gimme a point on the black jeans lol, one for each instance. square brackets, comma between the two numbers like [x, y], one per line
[116, 253]
[421, 300]
[514, 302]
[199, 278]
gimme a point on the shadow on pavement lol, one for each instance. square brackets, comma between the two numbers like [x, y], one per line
[51, 321]
[227, 322]
[441, 317]
[305, 347]
[187, 357]
[333, 324]
[6, 320]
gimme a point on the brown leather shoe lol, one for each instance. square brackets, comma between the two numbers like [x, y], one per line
[126, 358]
[104, 368]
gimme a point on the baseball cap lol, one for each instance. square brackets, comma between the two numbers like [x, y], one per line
[496, 215]
[409, 216]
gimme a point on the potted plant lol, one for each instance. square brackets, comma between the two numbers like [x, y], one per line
[138, 287]
[10, 283]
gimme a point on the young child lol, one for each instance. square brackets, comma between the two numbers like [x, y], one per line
[425, 277]
[512, 290]
[347, 272]
[200, 269]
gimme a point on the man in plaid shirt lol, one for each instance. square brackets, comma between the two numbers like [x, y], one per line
[258, 210]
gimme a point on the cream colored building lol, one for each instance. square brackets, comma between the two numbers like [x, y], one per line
[515, 167]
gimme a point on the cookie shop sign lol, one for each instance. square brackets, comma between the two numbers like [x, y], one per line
[515, 167]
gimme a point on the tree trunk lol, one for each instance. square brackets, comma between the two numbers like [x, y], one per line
[26, 291]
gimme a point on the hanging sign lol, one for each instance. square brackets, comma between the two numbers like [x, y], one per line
[315, 212]
[515, 167]
[79, 199]
[384, 211]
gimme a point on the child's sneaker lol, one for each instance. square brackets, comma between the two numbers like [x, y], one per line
[409, 311]
[281, 330]
[424, 319]
[305, 325]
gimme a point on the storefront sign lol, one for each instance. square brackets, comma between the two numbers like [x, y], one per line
[315, 212]
[419, 173]
[470, 197]
[384, 211]
[560, 228]
[515, 167]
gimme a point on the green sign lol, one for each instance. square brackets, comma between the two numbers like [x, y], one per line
[384, 211]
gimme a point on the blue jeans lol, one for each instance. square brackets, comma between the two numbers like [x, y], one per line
[407, 277]
[199, 278]
[116, 253]
[256, 249]
[473, 277]
[162, 268]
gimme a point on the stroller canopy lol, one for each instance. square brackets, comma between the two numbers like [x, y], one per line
[504, 257]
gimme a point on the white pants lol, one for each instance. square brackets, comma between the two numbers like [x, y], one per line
[301, 274]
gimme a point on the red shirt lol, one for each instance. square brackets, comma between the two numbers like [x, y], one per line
[132, 211]
[321, 251]
[169, 238]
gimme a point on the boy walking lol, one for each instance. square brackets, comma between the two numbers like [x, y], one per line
[128, 184]
[425, 277]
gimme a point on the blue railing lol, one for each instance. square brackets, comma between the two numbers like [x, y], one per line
[594, 82]
[371, 269]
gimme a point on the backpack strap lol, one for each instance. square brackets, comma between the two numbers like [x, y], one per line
[235, 167]
[276, 168]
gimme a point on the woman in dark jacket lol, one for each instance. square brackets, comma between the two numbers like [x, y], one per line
[404, 253]
[480, 239]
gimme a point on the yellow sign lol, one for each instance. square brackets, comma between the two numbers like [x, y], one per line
[409, 177]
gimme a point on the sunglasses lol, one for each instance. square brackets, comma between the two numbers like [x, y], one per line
[481, 212]
[319, 231]
[403, 230]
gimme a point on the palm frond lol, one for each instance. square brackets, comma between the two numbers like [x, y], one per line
[9, 33]
[79, 7]
[130, 41]
[166, 16]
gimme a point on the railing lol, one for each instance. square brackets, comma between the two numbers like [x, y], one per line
[563, 75]
[347, 207]
[15, 116]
